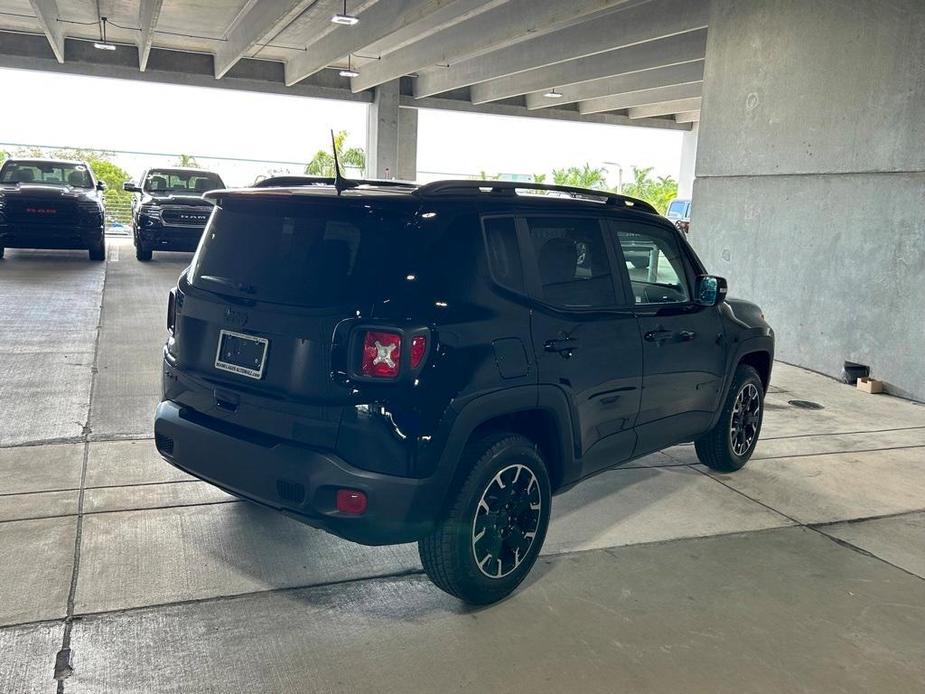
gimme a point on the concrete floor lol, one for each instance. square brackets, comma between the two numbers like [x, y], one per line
[803, 572]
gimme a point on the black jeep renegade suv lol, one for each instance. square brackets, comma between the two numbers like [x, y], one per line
[397, 363]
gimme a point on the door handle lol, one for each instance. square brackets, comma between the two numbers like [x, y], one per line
[564, 346]
[660, 335]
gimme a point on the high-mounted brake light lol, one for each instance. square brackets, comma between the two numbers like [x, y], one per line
[381, 354]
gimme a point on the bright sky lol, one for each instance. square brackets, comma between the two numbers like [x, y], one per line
[158, 119]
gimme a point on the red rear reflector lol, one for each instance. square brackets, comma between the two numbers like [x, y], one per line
[381, 354]
[351, 501]
[418, 347]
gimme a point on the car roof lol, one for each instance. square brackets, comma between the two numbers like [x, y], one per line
[485, 194]
[42, 160]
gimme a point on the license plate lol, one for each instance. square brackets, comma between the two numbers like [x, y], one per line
[241, 354]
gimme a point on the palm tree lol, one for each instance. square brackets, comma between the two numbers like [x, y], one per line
[322, 164]
[187, 161]
[581, 177]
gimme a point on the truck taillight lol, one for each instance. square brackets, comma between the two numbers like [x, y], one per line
[172, 311]
[381, 354]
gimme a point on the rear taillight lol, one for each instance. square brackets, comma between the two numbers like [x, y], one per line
[384, 352]
[381, 354]
[172, 311]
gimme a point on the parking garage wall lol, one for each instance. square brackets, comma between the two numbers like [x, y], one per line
[810, 187]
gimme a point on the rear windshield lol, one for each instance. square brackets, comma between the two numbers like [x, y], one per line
[166, 181]
[305, 254]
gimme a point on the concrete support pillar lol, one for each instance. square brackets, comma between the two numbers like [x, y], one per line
[382, 132]
[688, 158]
[407, 144]
[810, 173]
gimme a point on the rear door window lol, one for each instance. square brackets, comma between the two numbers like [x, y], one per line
[307, 254]
[574, 269]
[503, 253]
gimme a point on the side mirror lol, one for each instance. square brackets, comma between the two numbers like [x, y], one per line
[711, 290]
[130, 187]
[101, 185]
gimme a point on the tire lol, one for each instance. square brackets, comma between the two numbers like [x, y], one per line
[98, 251]
[723, 448]
[500, 465]
[142, 253]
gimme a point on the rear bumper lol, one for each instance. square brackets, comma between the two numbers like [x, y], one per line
[49, 236]
[297, 480]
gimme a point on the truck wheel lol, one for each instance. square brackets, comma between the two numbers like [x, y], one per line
[142, 253]
[494, 530]
[98, 251]
[729, 444]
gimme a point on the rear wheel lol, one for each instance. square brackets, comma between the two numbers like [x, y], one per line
[142, 252]
[98, 251]
[731, 442]
[490, 538]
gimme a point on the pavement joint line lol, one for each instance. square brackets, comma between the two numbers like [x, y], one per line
[62, 669]
[862, 519]
[857, 450]
[816, 527]
[124, 510]
[100, 486]
[839, 433]
[92, 438]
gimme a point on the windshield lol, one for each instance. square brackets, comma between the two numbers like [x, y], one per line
[48, 173]
[306, 253]
[677, 209]
[168, 181]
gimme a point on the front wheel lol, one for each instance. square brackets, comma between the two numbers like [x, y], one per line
[490, 538]
[142, 252]
[731, 442]
[98, 251]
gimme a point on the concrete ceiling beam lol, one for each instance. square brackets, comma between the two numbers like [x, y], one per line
[618, 28]
[665, 108]
[508, 23]
[148, 13]
[687, 117]
[684, 73]
[645, 97]
[46, 11]
[259, 21]
[401, 19]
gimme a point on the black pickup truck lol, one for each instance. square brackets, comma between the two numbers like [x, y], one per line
[51, 204]
[168, 211]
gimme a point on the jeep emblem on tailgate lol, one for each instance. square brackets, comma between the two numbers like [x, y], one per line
[238, 318]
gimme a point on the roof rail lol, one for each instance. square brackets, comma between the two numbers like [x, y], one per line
[511, 188]
[295, 180]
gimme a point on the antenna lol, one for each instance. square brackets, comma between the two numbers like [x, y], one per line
[340, 183]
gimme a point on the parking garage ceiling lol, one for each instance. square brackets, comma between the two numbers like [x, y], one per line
[614, 61]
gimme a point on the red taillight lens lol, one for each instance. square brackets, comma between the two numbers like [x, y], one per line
[351, 501]
[418, 347]
[381, 354]
[172, 311]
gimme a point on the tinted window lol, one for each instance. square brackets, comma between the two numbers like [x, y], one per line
[167, 181]
[573, 266]
[654, 264]
[307, 254]
[503, 252]
[74, 175]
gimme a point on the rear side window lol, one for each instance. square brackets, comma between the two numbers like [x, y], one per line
[304, 254]
[503, 252]
[572, 260]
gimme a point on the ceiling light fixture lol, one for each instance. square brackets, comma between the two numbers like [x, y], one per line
[349, 71]
[103, 44]
[347, 20]
[553, 94]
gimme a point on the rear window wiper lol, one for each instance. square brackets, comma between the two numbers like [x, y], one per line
[228, 282]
